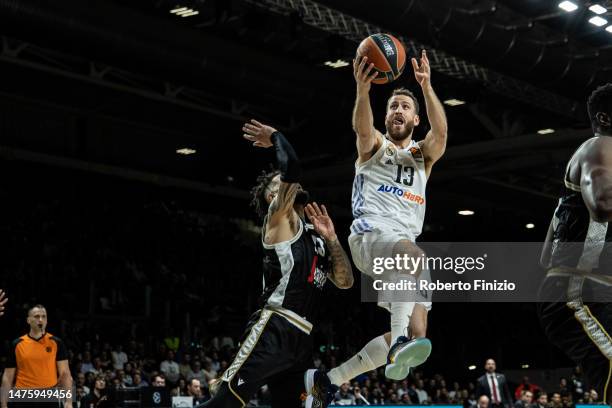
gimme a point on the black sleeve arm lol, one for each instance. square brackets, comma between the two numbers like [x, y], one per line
[11, 361]
[288, 162]
[62, 352]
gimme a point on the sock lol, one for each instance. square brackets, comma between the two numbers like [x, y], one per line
[371, 356]
[400, 319]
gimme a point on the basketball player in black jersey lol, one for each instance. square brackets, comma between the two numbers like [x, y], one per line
[577, 315]
[298, 260]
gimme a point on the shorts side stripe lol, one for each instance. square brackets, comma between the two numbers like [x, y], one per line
[600, 326]
[229, 384]
[594, 330]
[247, 346]
[591, 326]
[605, 393]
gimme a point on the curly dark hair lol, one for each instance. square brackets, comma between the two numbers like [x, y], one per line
[600, 101]
[258, 193]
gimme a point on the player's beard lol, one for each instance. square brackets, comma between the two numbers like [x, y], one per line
[401, 135]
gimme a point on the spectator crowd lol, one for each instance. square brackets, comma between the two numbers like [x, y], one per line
[102, 371]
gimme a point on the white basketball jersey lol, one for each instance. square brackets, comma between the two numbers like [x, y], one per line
[389, 191]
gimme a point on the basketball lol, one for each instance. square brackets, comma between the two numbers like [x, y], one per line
[386, 53]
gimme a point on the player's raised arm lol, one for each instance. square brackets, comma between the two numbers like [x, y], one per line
[266, 136]
[434, 144]
[368, 138]
[342, 272]
[596, 178]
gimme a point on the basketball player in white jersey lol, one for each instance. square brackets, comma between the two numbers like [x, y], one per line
[389, 208]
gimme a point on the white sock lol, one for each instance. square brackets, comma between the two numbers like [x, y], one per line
[371, 356]
[400, 319]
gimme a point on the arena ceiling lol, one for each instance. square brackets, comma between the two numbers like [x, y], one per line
[116, 87]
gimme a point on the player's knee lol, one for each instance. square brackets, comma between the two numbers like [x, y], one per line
[406, 247]
[410, 257]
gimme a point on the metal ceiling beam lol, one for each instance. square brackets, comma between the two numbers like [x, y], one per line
[352, 28]
[24, 54]
[485, 121]
[11, 153]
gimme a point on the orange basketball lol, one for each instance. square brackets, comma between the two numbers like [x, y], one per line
[386, 53]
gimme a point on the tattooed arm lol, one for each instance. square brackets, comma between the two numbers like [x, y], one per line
[342, 272]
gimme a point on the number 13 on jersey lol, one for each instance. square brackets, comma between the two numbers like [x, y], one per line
[405, 175]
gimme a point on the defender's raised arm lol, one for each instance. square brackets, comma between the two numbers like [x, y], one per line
[266, 136]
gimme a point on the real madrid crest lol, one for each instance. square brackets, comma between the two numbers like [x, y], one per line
[390, 151]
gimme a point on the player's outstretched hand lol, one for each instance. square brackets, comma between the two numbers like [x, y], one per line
[258, 133]
[364, 74]
[3, 300]
[422, 70]
[321, 221]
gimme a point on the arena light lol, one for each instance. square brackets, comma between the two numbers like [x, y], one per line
[185, 151]
[179, 10]
[568, 6]
[472, 367]
[454, 102]
[466, 212]
[609, 28]
[598, 21]
[546, 131]
[525, 366]
[598, 9]
[337, 64]
[530, 226]
[191, 13]
[184, 11]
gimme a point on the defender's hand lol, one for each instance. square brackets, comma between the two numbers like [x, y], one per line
[321, 221]
[364, 74]
[258, 133]
[422, 71]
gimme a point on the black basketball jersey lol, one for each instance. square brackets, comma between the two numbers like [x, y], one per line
[578, 240]
[294, 273]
